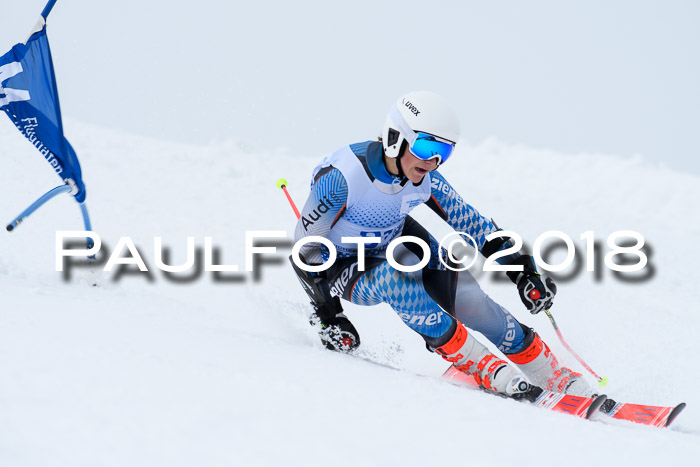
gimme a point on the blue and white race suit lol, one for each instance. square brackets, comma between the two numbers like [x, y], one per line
[353, 195]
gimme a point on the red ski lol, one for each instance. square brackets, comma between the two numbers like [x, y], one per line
[583, 407]
[645, 414]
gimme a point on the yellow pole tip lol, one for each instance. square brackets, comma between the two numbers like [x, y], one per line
[603, 381]
[281, 183]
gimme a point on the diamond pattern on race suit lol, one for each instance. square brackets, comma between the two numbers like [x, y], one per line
[459, 215]
[406, 295]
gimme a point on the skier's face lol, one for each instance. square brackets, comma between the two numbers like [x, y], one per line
[414, 168]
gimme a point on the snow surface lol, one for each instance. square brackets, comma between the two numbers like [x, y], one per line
[144, 371]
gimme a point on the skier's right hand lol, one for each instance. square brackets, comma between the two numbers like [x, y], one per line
[337, 332]
[334, 328]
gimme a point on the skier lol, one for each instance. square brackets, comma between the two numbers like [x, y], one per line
[367, 190]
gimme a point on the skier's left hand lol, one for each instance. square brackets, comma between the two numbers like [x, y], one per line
[536, 292]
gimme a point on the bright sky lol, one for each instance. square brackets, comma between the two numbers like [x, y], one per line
[617, 77]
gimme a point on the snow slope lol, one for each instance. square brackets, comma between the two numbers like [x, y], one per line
[145, 371]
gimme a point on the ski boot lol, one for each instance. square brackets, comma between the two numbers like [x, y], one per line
[541, 367]
[493, 374]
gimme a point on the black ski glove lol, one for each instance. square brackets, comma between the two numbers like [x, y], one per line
[334, 328]
[336, 333]
[536, 291]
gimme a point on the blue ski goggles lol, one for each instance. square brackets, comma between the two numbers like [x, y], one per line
[427, 147]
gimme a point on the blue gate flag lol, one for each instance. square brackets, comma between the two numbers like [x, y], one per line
[29, 96]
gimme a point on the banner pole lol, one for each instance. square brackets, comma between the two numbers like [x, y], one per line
[88, 225]
[37, 204]
[47, 9]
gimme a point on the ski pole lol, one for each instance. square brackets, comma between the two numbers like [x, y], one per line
[602, 380]
[282, 183]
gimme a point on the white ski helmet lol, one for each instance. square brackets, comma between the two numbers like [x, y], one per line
[419, 112]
